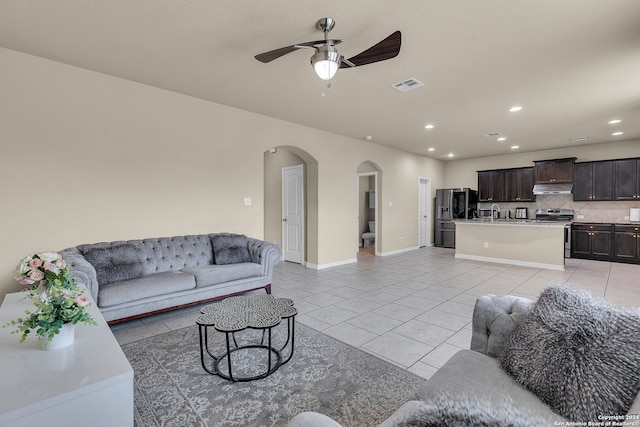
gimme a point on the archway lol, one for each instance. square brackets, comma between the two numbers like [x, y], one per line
[275, 160]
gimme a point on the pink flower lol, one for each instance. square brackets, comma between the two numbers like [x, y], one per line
[82, 300]
[35, 275]
[35, 263]
[49, 266]
[26, 281]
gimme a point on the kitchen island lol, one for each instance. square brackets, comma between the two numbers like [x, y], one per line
[527, 243]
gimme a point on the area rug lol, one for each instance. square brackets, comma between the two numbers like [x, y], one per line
[324, 375]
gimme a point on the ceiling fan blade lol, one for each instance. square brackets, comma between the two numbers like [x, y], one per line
[277, 53]
[386, 49]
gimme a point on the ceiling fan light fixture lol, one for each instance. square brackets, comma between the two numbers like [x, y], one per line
[326, 62]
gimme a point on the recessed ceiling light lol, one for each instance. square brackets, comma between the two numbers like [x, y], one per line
[502, 138]
[614, 121]
[515, 108]
[617, 133]
[428, 127]
[450, 155]
[368, 137]
[515, 147]
[431, 149]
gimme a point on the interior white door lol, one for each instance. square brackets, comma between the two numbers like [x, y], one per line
[293, 213]
[423, 212]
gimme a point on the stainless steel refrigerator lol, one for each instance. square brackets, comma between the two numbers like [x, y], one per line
[452, 204]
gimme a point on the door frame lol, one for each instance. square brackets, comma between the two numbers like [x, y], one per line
[376, 210]
[303, 223]
[429, 209]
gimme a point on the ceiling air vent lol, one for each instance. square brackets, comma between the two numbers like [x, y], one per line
[407, 85]
[579, 138]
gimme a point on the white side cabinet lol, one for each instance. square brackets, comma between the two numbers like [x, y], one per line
[89, 383]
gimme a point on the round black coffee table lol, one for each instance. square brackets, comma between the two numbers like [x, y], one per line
[234, 314]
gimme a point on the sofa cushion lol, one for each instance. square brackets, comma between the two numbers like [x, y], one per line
[215, 274]
[479, 376]
[580, 355]
[115, 263]
[230, 248]
[462, 410]
[144, 287]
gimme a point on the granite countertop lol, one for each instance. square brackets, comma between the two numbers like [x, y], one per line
[624, 222]
[514, 222]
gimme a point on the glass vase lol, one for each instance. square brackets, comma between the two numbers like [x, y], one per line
[43, 286]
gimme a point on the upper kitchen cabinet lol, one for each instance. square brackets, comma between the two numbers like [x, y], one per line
[554, 171]
[626, 179]
[491, 186]
[593, 181]
[518, 185]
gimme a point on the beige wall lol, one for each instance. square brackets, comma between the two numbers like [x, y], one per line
[87, 157]
[462, 173]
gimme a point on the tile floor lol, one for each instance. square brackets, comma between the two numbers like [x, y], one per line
[412, 309]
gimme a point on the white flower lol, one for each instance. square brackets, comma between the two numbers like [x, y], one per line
[23, 267]
[48, 256]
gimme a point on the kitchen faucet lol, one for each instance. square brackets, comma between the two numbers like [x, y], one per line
[497, 209]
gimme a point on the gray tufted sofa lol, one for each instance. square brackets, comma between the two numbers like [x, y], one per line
[134, 278]
[475, 376]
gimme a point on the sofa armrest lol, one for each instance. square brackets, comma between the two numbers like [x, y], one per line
[495, 318]
[264, 253]
[82, 271]
[312, 419]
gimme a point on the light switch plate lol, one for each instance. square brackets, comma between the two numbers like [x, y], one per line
[248, 201]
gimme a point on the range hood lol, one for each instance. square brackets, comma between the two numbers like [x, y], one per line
[552, 189]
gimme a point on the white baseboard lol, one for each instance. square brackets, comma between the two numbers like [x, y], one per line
[396, 252]
[354, 260]
[331, 264]
[511, 262]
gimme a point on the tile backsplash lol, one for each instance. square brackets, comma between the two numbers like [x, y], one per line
[614, 212]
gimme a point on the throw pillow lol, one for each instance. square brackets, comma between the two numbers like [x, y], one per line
[115, 263]
[230, 248]
[578, 354]
[459, 411]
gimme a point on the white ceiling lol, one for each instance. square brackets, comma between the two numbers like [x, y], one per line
[572, 65]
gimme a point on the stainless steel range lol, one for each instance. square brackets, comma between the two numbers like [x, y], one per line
[562, 215]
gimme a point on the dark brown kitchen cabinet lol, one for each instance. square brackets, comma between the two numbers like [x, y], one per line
[626, 243]
[491, 186]
[593, 181]
[518, 185]
[626, 179]
[591, 241]
[554, 171]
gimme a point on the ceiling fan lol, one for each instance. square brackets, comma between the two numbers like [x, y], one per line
[327, 60]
